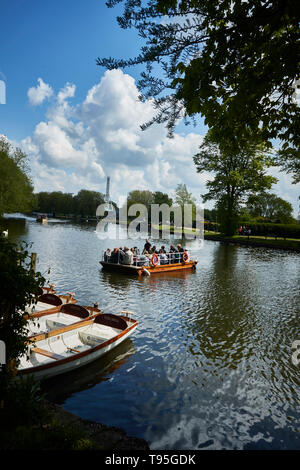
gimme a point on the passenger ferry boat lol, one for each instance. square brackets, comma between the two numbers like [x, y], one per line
[152, 265]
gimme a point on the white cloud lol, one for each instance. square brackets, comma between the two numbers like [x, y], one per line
[77, 146]
[67, 92]
[38, 94]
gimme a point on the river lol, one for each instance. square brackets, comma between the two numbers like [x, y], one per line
[210, 364]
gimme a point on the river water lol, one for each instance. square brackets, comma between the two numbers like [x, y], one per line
[210, 364]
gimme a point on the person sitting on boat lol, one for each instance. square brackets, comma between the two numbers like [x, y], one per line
[128, 256]
[134, 253]
[143, 260]
[172, 254]
[181, 251]
[107, 255]
[153, 250]
[121, 252]
[114, 257]
[163, 257]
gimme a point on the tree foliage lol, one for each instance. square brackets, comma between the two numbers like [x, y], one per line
[270, 207]
[19, 286]
[234, 62]
[182, 196]
[16, 190]
[239, 169]
[84, 203]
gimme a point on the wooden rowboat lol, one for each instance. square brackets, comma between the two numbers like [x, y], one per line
[41, 324]
[76, 345]
[49, 303]
[152, 269]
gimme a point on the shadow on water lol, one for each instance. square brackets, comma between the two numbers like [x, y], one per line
[60, 388]
[209, 365]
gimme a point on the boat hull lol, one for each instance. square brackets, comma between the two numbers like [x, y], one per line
[140, 270]
[78, 360]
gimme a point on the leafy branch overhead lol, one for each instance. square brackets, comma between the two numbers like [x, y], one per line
[236, 63]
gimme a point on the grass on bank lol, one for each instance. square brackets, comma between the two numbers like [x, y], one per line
[272, 241]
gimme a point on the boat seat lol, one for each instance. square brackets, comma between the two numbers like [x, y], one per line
[45, 352]
[90, 339]
[59, 321]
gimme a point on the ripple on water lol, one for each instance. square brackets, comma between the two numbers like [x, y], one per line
[209, 366]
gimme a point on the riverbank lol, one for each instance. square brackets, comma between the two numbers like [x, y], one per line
[53, 428]
[99, 436]
[266, 242]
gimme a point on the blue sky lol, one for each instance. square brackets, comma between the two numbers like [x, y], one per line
[58, 40]
[79, 123]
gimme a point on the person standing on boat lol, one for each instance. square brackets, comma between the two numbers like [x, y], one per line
[147, 246]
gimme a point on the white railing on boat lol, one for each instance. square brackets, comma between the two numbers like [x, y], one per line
[140, 259]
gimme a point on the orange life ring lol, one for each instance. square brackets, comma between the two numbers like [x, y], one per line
[154, 260]
[185, 257]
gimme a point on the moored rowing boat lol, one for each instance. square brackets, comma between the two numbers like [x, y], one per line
[68, 314]
[76, 345]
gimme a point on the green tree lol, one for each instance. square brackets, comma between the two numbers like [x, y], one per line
[137, 196]
[162, 198]
[270, 207]
[239, 168]
[234, 62]
[182, 196]
[144, 197]
[19, 286]
[16, 190]
[86, 202]
[55, 202]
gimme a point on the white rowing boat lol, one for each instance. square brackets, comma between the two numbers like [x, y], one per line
[39, 324]
[49, 303]
[76, 345]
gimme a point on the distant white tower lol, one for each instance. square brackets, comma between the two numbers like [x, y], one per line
[108, 203]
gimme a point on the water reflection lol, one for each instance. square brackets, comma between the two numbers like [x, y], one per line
[211, 366]
[60, 388]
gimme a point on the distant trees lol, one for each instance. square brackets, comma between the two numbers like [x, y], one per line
[147, 198]
[270, 208]
[83, 204]
[55, 202]
[144, 197]
[86, 202]
[16, 189]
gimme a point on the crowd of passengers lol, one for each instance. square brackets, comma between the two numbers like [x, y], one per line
[132, 256]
